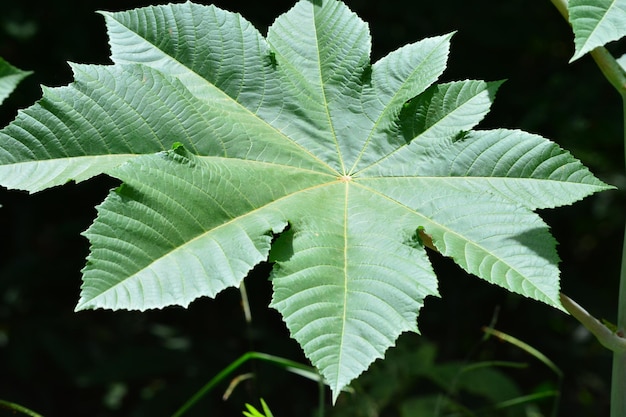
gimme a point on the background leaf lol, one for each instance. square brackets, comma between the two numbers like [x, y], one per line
[596, 23]
[10, 77]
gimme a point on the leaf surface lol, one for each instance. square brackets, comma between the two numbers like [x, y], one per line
[191, 226]
[234, 149]
[10, 77]
[596, 23]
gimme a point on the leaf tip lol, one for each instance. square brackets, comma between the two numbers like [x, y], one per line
[447, 38]
[82, 305]
[577, 55]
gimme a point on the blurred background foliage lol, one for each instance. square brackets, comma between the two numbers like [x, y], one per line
[103, 363]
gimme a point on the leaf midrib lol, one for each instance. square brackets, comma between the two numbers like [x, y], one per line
[383, 113]
[594, 30]
[604, 17]
[331, 125]
[214, 88]
[459, 107]
[428, 220]
[217, 228]
[345, 284]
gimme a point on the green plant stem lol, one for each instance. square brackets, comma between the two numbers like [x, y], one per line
[609, 339]
[618, 382]
[538, 355]
[525, 347]
[520, 400]
[616, 76]
[282, 362]
[245, 304]
[612, 70]
[16, 407]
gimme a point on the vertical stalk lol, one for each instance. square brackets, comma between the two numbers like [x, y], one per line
[621, 312]
[618, 385]
[618, 382]
[615, 75]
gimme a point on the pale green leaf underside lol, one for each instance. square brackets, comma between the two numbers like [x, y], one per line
[189, 227]
[10, 77]
[596, 23]
[224, 139]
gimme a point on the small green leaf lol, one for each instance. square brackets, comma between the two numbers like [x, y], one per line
[253, 412]
[596, 23]
[611, 326]
[10, 77]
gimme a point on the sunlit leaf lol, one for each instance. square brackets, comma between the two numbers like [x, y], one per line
[596, 23]
[230, 146]
[10, 77]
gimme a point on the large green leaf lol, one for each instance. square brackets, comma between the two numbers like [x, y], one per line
[10, 77]
[234, 149]
[596, 23]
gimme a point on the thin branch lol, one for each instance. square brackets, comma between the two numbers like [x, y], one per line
[613, 341]
[611, 69]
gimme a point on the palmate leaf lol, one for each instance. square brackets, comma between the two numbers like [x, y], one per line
[10, 77]
[596, 23]
[234, 149]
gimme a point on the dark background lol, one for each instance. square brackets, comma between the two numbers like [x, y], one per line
[104, 363]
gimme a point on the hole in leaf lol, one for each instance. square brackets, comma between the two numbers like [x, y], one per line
[282, 246]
